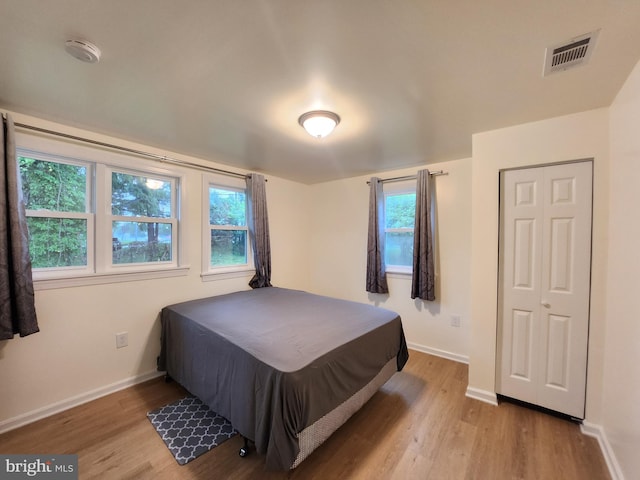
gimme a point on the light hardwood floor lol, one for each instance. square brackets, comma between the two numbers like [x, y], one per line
[419, 425]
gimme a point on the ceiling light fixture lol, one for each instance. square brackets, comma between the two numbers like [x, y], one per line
[319, 123]
[82, 50]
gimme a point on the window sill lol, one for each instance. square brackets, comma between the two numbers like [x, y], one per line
[399, 271]
[225, 275]
[399, 274]
[101, 279]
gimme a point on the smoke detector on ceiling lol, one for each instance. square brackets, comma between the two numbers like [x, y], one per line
[569, 54]
[82, 50]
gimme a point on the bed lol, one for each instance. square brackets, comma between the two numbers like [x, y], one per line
[285, 367]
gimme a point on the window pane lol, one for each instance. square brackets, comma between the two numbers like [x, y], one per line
[139, 242]
[228, 247]
[400, 210]
[398, 248]
[133, 195]
[227, 207]
[53, 186]
[57, 242]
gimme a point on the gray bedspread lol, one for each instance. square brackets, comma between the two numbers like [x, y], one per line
[273, 361]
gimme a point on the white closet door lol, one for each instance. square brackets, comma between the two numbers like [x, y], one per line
[545, 275]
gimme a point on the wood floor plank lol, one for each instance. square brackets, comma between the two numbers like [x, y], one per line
[420, 425]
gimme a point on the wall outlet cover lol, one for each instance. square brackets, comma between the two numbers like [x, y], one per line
[122, 339]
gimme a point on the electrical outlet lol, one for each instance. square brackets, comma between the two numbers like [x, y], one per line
[455, 320]
[122, 339]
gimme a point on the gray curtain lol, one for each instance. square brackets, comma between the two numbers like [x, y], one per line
[259, 230]
[376, 275]
[423, 279]
[17, 308]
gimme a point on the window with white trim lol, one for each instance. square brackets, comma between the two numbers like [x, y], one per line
[57, 195]
[399, 220]
[226, 244]
[89, 218]
[143, 218]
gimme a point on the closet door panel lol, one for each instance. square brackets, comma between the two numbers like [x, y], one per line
[521, 284]
[566, 283]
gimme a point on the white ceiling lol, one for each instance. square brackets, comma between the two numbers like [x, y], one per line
[227, 80]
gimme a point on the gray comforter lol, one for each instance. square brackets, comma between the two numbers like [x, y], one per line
[273, 361]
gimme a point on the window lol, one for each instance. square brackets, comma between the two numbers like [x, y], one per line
[57, 200]
[89, 218]
[142, 219]
[226, 236]
[399, 219]
[228, 227]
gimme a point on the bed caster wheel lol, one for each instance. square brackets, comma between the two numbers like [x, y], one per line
[244, 450]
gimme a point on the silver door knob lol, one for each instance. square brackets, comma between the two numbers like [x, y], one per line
[546, 304]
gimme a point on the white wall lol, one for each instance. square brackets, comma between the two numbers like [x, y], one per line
[339, 250]
[621, 386]
[579, 136]
[74, 356]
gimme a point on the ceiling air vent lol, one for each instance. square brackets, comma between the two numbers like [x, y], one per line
[569, 54]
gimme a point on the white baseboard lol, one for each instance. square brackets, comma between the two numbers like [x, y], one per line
[40, 413]
[482, 395]
[456, 357]
[598, 432]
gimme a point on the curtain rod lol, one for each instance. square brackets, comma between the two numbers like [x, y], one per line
[435, 173]
[154, 156]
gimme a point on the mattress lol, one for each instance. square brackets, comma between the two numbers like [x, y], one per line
[275, 361]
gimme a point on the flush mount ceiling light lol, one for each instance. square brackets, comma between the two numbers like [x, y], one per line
[82, 50]
[319, 123]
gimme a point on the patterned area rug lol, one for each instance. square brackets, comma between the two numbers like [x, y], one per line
[189, 428]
